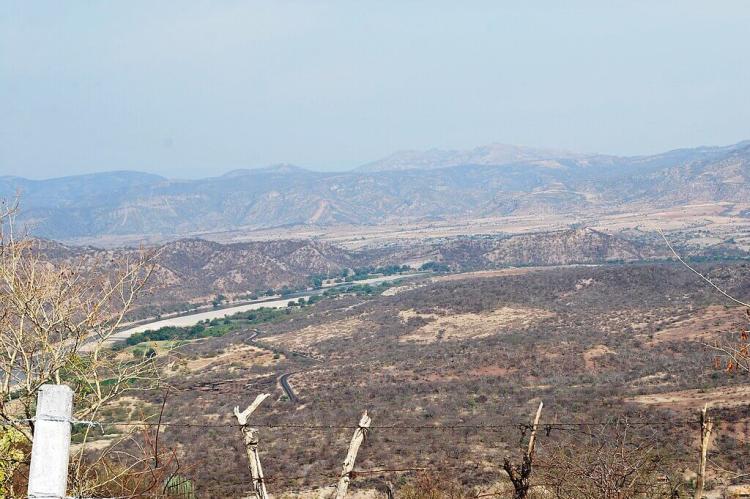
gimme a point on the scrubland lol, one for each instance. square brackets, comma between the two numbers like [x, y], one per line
[451, 371]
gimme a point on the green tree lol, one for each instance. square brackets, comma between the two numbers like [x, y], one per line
[13, 450]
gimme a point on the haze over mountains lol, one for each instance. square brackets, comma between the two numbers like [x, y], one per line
[495, 180]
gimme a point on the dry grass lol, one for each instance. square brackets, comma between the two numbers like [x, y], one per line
[593, 356]
[234, 357]
[305, 339]
[651, 380]
[705, 325]
[400, 289]
[689, 400]
[328, 492]
[444, 326]
[484, 274]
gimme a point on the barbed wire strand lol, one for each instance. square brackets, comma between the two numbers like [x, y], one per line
[441, 427]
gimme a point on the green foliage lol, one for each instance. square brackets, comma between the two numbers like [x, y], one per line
[220, 327]
[216, 302]
[180, 486]
[178, 333]
[11, 455]
[209, 329]
[314, 299]
[357, 289]
[366, 272]
[435, 267]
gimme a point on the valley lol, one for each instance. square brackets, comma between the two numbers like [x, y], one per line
[374, 250]
[449, 333]
[443, 355]
[191, 319]
[448, 306]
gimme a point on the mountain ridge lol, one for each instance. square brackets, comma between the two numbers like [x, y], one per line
[194, 270]
[135, 203]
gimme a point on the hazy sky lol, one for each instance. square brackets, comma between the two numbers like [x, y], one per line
[194, 88]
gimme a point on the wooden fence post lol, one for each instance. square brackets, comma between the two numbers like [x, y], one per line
[50, 450]
[707, 425]
[389, 492]
[351, 456]
[532, 439]
[251, 446]
[520, 476]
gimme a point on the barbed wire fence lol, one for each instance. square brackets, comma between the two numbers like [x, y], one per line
[51, 455]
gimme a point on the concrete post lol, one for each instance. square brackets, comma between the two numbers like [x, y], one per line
[50, 451]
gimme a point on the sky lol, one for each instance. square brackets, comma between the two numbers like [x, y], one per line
[190, 89]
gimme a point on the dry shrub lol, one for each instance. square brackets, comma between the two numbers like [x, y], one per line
[431, 485]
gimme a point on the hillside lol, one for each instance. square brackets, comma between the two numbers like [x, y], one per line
[455, 363]
[194, 271]
[565, 247]
[127, 203]
[205, 266]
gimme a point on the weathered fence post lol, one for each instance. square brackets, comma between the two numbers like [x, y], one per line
[50, 451]
[389, 492]
[520, 476]
[251, 446]
[351, 456]
[532, 438]
[707, 425]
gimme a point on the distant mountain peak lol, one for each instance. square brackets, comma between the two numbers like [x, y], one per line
[277, 168]
[490, 154]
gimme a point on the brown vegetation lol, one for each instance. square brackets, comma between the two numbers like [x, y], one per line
[493, 378]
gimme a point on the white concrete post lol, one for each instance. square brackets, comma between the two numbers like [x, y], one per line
[50, 451]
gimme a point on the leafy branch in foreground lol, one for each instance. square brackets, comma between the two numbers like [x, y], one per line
[57, 318]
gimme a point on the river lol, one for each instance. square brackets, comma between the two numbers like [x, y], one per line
[193, 319]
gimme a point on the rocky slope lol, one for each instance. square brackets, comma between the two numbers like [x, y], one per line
[218, 268]
[195, 271]
[581, 245]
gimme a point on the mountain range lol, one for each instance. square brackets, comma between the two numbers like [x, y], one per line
[495, 180]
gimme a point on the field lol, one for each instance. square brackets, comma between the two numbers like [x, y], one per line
[456, 363]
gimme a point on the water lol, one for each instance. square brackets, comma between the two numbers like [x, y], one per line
[195, 318]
